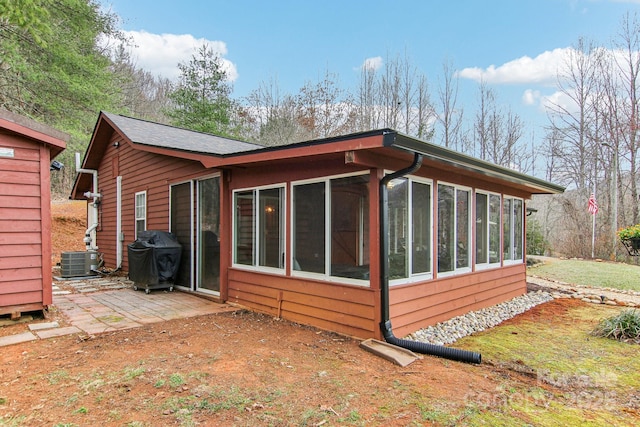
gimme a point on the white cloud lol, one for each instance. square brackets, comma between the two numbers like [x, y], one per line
[543, 69]
[558, 100]
[530, 97]
[160, 54]
[373, 63]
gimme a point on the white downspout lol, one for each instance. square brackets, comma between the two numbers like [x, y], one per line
[119, 235]
[89, 243]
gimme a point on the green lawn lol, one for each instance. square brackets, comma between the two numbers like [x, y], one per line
[590, 273]
[579, 379]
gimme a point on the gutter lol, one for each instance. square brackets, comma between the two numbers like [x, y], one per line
[385, 323]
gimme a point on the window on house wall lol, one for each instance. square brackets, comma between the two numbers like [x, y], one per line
[513, 230]
[409, 228]
[330, 227]
[259, 227]
[454, 229]
[141, 211]
[487, 229]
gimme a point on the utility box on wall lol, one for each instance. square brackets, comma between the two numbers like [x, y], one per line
[78, 264]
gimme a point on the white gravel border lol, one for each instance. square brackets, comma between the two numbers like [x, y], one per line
[475, 321]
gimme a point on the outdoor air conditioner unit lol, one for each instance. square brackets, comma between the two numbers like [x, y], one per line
[78, 264]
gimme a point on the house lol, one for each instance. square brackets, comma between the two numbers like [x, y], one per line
[342, 233]
[27, 149]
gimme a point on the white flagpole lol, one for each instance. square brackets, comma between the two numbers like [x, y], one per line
[593, 228]
[593, 237]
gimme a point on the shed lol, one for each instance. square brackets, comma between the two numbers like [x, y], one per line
[27, 149]
[344, 233]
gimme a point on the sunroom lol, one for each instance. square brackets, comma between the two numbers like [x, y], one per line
[311, 236]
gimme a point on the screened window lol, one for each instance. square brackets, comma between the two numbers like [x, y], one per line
[259, 227]
[331, 227]
[140, 212]
[409, 228]
[513, 230]
[453, 229]
[487, 229]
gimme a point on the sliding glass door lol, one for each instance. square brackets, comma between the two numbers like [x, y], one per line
[209, 235]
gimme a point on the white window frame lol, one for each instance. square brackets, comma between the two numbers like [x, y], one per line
[136, 209]
[488, 264]
[255, 266]
[427, 275]
[326, 276]
[470, 244]
[512, 260]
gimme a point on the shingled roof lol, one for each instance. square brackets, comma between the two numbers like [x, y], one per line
[165, 136]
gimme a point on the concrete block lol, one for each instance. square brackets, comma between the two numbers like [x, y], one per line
[398, 355]
[41, 326]
[16, 339]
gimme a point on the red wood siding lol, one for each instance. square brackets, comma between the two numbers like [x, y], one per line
[413, 307]
[140, 171]
[348, 310]
[25, 225]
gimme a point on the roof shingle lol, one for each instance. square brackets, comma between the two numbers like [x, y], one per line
[165, 136]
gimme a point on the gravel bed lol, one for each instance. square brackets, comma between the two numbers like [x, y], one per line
[453, 329]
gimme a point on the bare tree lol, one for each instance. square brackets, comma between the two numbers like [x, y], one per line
[389, 100]
[367, 112]
[498, 135]
[396, 97]
[624, 123]
[425, 114]
[273, 115]
[324, 109]
[143, 95]
[570, 122]
[449, 115]
[482, 120]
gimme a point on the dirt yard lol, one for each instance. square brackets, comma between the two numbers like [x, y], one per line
[69, 223]
[247, 369]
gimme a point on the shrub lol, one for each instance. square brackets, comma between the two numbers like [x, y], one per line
[631, 232]
[536, 243]
[623, 327]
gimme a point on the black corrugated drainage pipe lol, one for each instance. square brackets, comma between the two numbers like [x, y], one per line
[385, 324]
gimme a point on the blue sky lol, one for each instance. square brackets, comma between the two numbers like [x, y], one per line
[514, 45]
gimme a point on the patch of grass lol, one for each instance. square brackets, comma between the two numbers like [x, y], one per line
[176, 380]
[56, 377]
[571, 371]
[590, 273]
[623, 327]
[229, 398]
[12, 421]
[435, 415]
[352, 416]
[92, 385]
[111, 318]
[131, 373]
[198, 375]
[312, 417]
